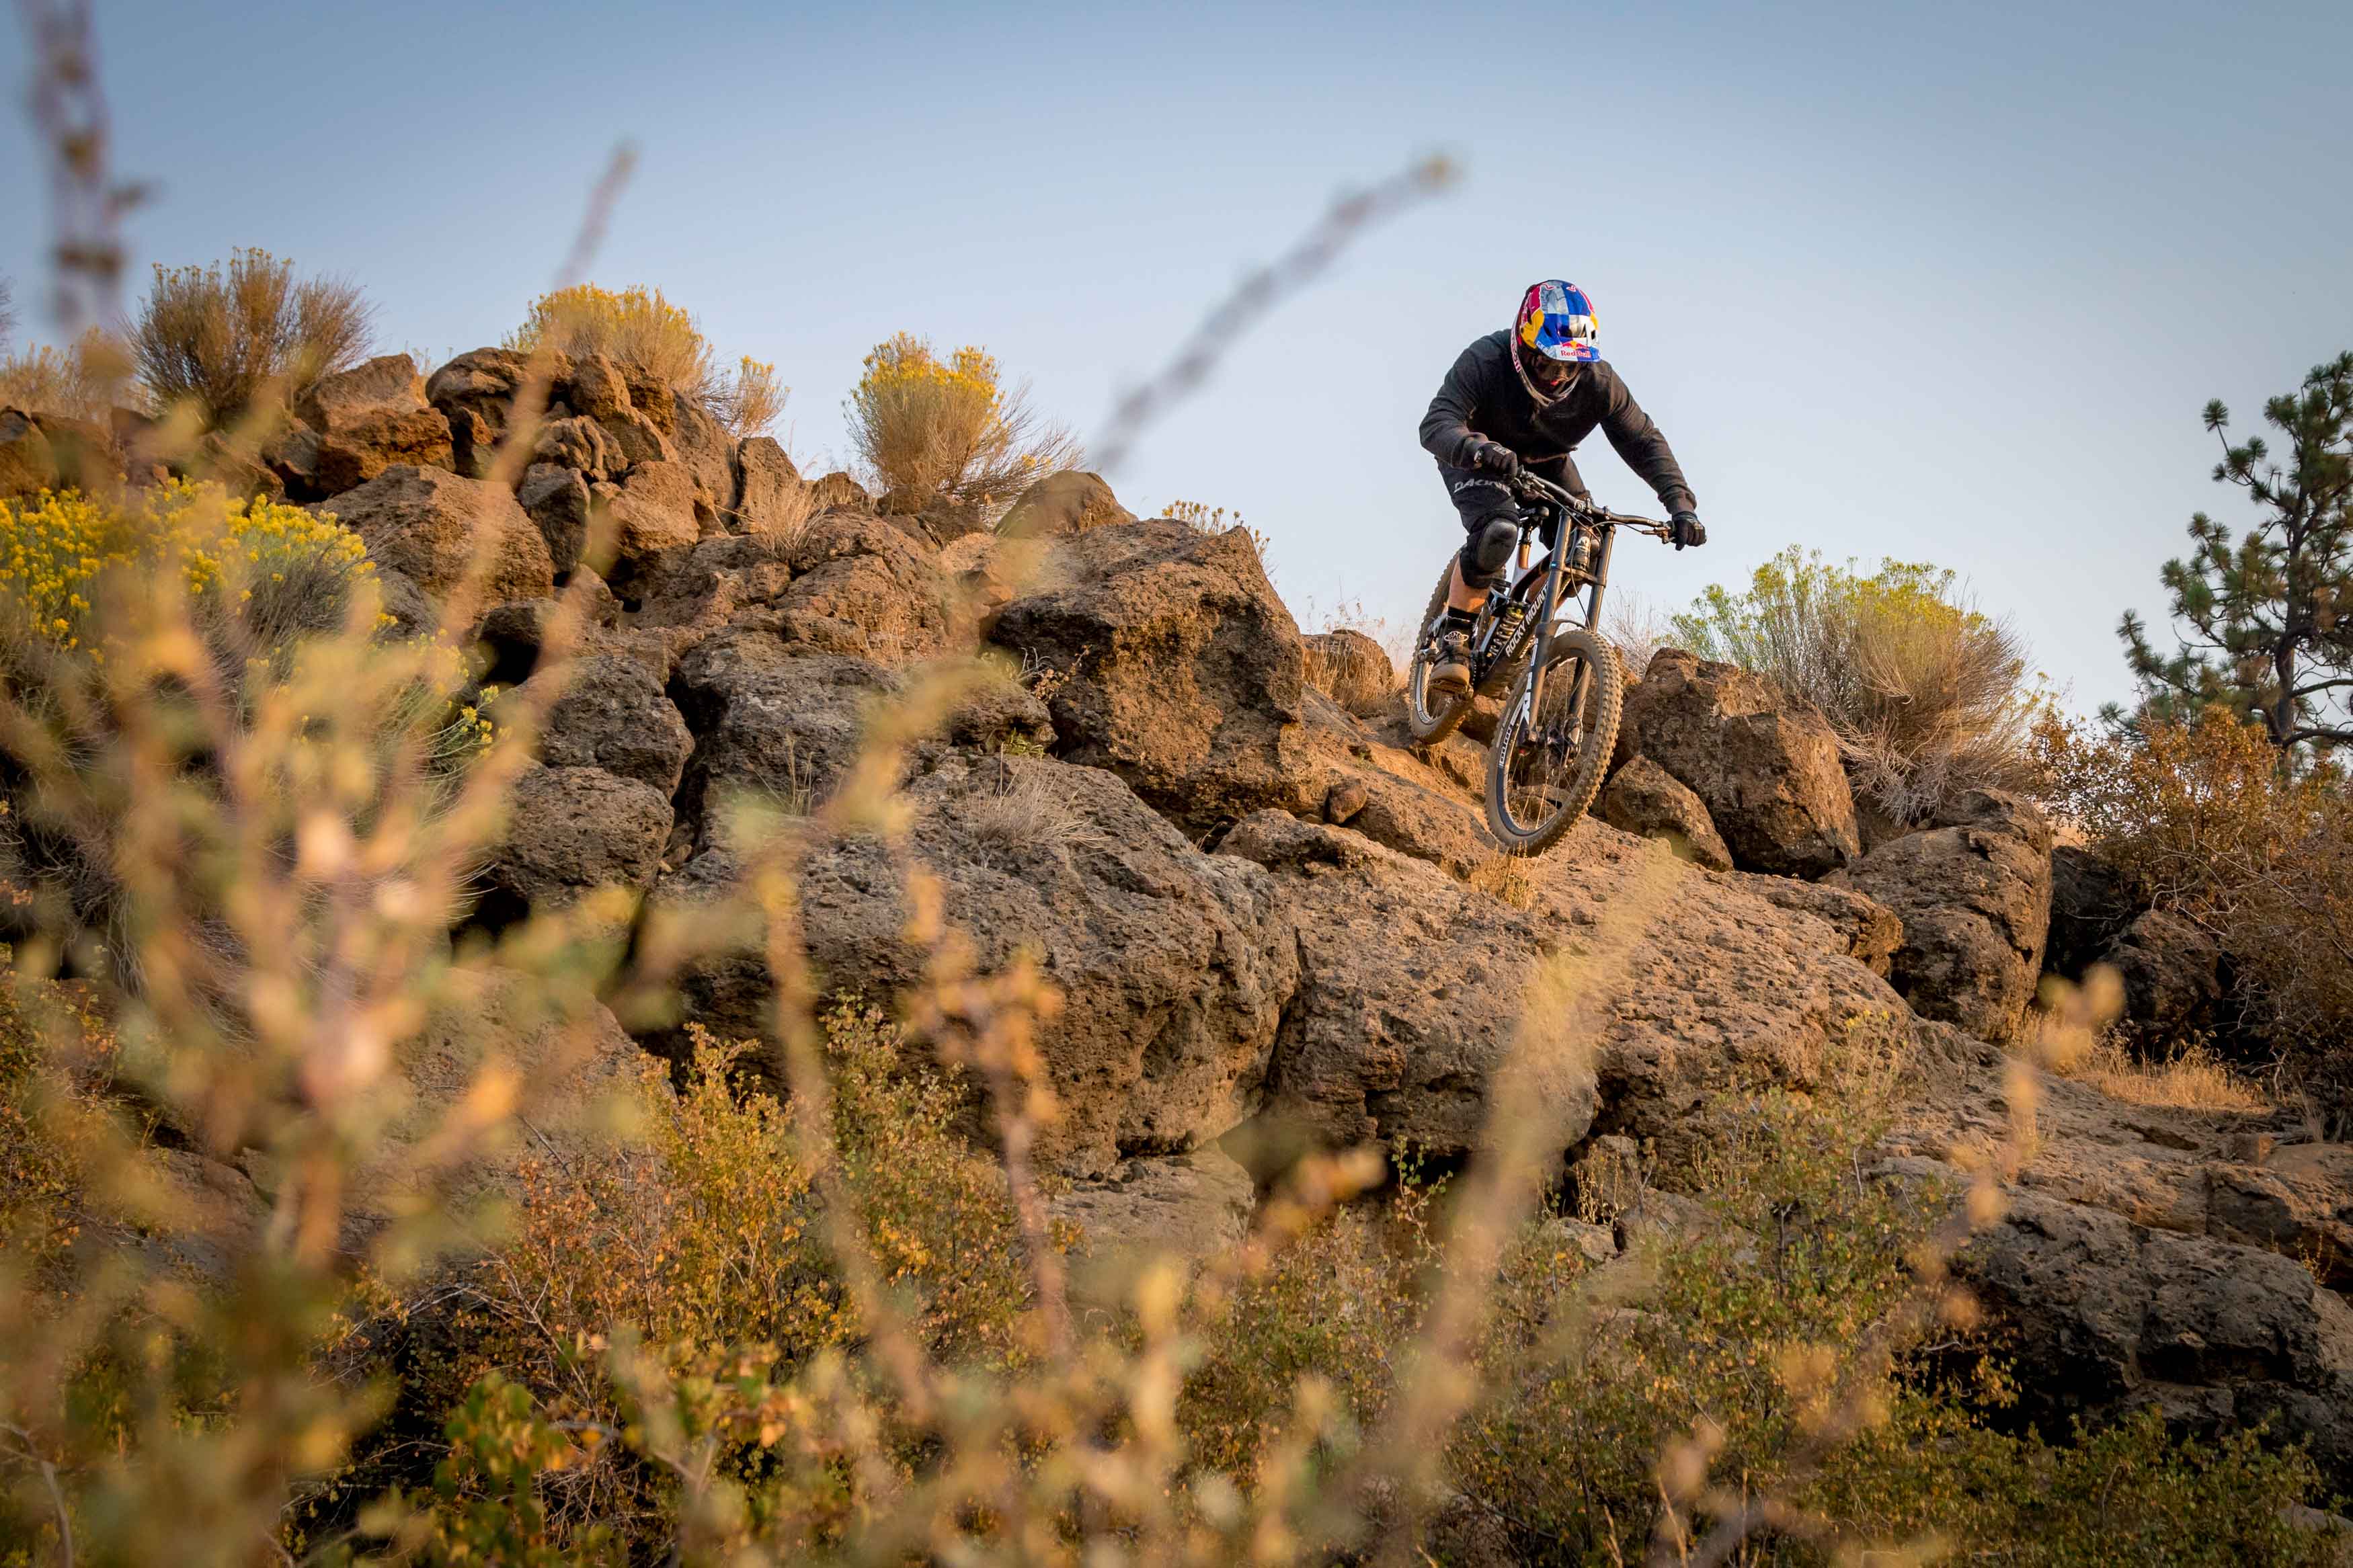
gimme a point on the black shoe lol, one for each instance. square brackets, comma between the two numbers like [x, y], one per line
[1450, 667]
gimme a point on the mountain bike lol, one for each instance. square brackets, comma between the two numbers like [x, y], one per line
[1562, 680]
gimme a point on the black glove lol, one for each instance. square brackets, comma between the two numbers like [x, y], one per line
[1684, 529]
[1494, 458]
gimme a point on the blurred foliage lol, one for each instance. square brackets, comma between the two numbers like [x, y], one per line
[86, 380]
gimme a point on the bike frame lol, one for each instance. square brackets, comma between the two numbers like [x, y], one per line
[1579, 518]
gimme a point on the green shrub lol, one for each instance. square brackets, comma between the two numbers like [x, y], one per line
[218, 339]
[1928, 696]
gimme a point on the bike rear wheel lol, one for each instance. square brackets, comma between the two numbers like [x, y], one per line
[1552, 744]
[1431, 716]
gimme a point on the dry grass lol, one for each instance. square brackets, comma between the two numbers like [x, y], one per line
[2192, 1079]
[1350, 668]
[932, 431]
[1638, 627]
[2075, 1035]
[220, 339]
[1023, 816]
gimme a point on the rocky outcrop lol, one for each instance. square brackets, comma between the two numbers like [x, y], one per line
[771, 720]
[1974, 894]
[365, 420]
[1169, 661]
[1644, 798]
[474, 392]
[1191, 1206]
[771, 497]
[432, 526]
[52, 452]
[613, 714]
[1863, 929]
[1766, 766]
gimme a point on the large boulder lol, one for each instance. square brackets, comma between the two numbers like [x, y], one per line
[1644, 798]
[771, 719]
[367, 419]
[2172, 972]
[1861, 928]
[557, 500]
[2090, 904]
[1173, 965]
[1169, 659]
[571, 830]
[613, 714]
[1410, 991]
[652, 514]
[701, 446]
[1060, 505]
[432, 525]
[475, 392]
[1765, 766]
[857, 568]
[1974, 894]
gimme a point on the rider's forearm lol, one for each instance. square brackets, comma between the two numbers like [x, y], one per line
[1445, 436]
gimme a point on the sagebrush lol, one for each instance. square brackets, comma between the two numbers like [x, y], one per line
[1929, 696]
[933, 430]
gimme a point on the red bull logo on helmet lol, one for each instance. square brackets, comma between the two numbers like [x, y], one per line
[1556, 321]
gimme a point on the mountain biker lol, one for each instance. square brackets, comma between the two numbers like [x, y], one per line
[1525, 397]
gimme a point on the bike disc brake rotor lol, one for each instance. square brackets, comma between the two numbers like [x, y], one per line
[1545, 745]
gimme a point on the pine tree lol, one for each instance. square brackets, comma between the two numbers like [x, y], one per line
[2264, 622]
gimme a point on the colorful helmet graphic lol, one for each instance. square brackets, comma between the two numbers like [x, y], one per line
[1556, 322]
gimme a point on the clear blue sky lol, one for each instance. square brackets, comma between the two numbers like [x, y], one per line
[1946, 283]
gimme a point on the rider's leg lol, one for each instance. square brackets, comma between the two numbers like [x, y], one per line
[1491, 528]
[1460, 596]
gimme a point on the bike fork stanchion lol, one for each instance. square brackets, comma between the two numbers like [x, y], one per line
[1540, 657]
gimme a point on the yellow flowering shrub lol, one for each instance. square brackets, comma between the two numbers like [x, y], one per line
[934, 431]
[638, 326]
[55, 550]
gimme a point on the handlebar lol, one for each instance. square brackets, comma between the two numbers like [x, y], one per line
[1534, 486]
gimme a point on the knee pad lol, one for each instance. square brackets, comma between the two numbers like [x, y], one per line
[1487, 551]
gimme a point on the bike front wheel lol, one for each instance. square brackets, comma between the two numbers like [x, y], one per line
[1553, 743]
